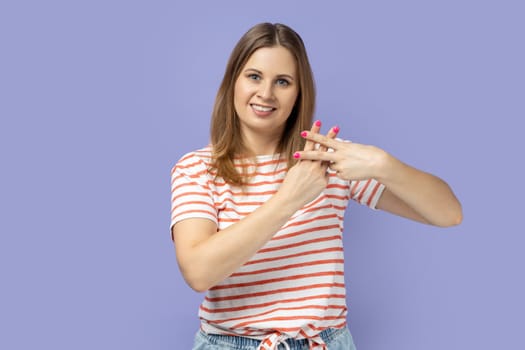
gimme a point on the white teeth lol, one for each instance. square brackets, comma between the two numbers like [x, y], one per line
[261, 108]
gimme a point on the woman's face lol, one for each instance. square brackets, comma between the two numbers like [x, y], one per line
[265, 92]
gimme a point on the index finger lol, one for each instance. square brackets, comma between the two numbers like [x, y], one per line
[320, 139]
[332, 133]
[316, 127]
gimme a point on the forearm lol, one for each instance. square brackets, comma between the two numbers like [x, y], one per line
[429, 196]
[222, 253]
[409, 192]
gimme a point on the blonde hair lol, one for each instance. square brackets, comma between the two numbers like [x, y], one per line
[225, 130]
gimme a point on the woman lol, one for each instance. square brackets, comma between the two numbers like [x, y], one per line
[257, 215]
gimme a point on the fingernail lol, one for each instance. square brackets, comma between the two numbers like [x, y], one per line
[317, 123]
[304, 133]
[296, 155]
[335, 129]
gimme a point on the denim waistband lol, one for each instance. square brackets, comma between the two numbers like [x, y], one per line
[238, 342]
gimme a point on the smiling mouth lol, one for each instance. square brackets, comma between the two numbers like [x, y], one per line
[260, 108]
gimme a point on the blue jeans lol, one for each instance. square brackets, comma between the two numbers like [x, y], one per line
[335, 339]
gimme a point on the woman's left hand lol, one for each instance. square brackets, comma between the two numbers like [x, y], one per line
[409, 192]
[351, 161]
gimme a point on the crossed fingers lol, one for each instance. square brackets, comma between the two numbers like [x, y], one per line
[313, 138]
[316, 127]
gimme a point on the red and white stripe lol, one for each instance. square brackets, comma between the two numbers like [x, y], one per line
[293, 287]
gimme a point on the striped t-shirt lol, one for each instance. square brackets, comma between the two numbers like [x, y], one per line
[294, 285]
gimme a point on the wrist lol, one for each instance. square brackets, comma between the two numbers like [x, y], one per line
[385, 165]
[284, 204]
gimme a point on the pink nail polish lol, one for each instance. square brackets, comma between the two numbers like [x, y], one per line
[335, 129]
[296, 155]
[317, 123]
[304, 133]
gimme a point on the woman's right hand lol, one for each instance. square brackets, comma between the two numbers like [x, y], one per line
[306, 179]
[200, 245]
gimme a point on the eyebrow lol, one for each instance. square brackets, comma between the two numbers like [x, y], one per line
[260, 73]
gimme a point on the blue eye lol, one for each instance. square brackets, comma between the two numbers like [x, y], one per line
[282, 82]
[254, 76]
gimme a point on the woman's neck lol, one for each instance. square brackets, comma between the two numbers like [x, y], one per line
[261, 145]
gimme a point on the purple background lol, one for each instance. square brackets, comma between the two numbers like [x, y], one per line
[98, 99]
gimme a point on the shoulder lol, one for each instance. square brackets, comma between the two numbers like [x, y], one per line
[195, 162]
[202, 155]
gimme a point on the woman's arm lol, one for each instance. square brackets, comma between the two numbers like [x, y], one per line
[207, 256]
[409, 192]
[416, 194]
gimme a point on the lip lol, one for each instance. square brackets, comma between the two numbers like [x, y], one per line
[263, 106]
[261, 113]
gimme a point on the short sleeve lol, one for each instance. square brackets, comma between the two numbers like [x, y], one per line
[191, 194]
[366, 192]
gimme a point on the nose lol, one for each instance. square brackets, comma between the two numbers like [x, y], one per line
[265, 90]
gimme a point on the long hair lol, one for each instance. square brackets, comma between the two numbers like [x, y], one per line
[226, 139]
